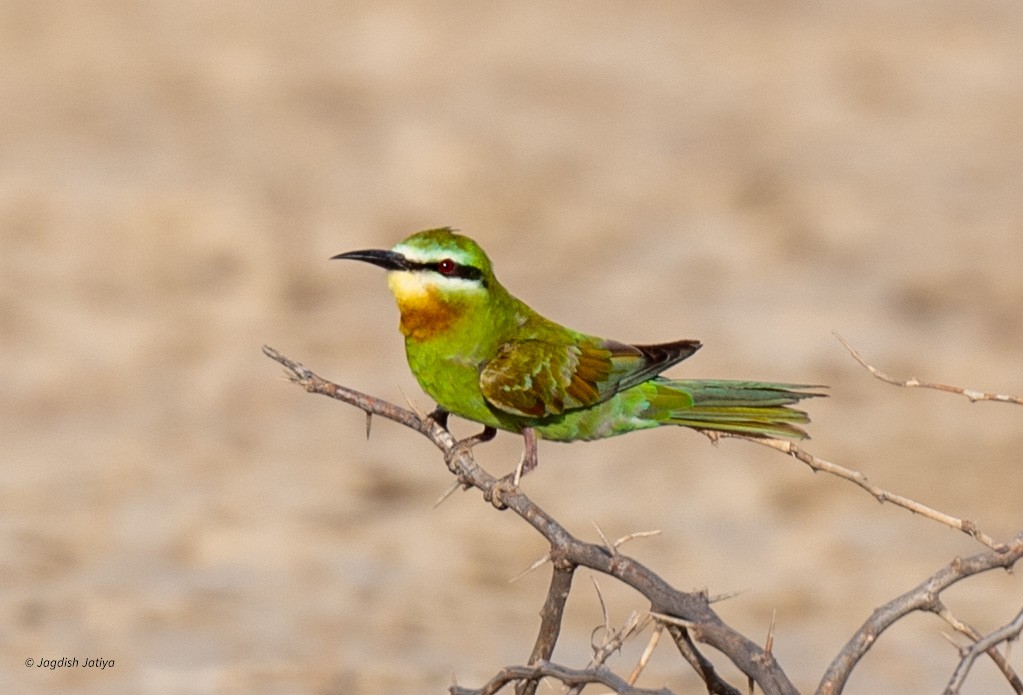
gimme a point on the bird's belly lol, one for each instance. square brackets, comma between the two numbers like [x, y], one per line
[619, 414]
[453, 382]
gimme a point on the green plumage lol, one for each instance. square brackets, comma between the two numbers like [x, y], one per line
[484, 355]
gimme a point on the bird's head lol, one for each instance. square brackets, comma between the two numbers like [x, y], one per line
[436, 276]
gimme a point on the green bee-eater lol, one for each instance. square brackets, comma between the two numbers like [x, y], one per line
[484, 355]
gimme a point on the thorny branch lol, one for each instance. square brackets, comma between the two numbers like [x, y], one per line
[688, 616]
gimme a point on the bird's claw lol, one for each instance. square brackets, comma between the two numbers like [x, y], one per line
[501, 487]
[467, 444]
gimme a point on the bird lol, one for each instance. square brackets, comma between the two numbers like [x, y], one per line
[484, 355]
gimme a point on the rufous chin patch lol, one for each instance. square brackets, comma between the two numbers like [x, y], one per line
[423, 314]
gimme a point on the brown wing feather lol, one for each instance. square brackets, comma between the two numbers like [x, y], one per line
[535, 378]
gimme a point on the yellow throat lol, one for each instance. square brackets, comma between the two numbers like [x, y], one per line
[424, 312]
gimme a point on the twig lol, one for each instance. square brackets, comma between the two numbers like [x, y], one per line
[986, 644]
[644, 658]
[880, 494]
[568, 676]
[679, 631]
[996, 656]
[612, 640]
[312, 383]
[550, 621]
[604, 612]
[972, 394]
[702, 665]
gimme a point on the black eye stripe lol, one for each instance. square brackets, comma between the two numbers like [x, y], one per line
[466, 272]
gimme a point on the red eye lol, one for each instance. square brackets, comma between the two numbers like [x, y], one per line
[446, 267]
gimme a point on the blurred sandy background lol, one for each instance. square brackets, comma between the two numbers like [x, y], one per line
[174, 176]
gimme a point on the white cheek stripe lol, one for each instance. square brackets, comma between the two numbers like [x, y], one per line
[408, 283]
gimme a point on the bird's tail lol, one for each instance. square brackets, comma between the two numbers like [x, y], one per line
[754, 408]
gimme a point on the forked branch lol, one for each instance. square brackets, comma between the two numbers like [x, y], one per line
[924, 597]
[986, 645]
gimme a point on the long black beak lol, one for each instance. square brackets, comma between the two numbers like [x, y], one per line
[389, 260]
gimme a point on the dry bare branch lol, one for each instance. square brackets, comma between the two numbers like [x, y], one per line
[996, 656]
[550, 621]
[924, 597]
[567, 552]
[568, 676]
[687, 616]
[913, 382]
[611, 639]
[987, 645]
[880, 494]
[700, 663]
[644, 658]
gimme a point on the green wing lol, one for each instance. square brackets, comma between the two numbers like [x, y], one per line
[536, 378]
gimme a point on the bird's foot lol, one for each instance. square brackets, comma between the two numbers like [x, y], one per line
[468, 443]
[440, 416]
[529, 455]
[486, 435]
[509, 484]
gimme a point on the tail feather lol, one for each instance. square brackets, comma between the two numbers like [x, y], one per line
[754, 408]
